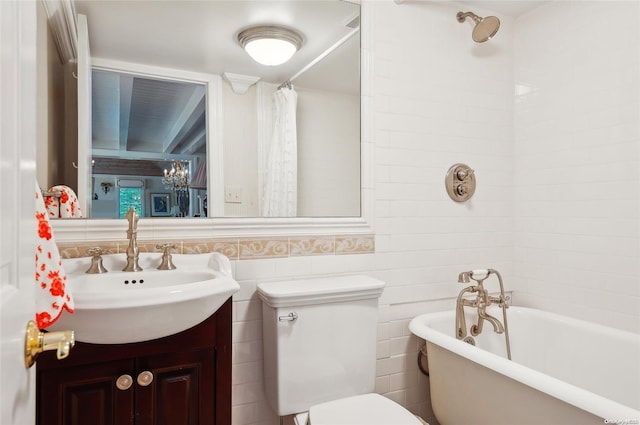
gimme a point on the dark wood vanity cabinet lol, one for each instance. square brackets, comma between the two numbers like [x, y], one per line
[183, 379]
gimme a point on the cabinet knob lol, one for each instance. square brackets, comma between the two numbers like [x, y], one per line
[145, 378]
[124, 382]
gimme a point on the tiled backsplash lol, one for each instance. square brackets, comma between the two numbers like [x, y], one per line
[240, 248]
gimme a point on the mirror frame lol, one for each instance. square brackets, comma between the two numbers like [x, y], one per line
[221, 227]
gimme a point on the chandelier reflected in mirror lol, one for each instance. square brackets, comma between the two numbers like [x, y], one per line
[177, 179]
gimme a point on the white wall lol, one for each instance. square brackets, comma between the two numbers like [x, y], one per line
[328, 146]
[577, 72]
[557, 204]
[439, 99]
[239, 131]
[328, 131]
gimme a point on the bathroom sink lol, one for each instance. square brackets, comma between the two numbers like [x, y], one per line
[123, 307]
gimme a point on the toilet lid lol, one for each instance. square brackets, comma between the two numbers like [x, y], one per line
[367, 409]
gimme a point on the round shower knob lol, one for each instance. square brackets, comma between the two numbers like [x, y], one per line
[462, 174]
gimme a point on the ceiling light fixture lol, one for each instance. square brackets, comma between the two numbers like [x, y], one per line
[270, 45]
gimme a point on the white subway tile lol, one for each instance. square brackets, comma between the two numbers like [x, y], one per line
[382, 385]
[390, 365]
[382, 349]
[247, 393]
[243, 414]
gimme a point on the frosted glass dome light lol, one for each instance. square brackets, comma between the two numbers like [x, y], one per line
[270, 45]
[270, 51]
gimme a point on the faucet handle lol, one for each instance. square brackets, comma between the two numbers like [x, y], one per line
[166, 247]
[97, 251]
[96, 260]
[502, 300]
[167, 262]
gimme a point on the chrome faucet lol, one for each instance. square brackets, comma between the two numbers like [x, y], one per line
[132, 234]
[481, 302]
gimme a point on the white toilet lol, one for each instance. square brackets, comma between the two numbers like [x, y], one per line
[319, 338]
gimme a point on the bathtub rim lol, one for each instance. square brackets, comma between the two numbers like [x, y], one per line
[561, 390]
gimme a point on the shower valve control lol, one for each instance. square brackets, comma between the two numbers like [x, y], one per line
[460, 182]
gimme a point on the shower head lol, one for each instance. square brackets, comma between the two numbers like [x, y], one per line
[484, 29]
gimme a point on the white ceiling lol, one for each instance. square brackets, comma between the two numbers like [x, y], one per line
[500, 7]
[504, 7]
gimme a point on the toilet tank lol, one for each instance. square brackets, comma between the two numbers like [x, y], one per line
[319, 340]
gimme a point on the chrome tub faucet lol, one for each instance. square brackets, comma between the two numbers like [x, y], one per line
[133, 253]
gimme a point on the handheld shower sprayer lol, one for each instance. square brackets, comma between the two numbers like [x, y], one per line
[475, 274]
[466, 277]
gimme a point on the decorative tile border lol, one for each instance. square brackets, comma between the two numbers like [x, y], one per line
[228, 247]
[240, 248]
[317, 245]
[347, 245]
[264, 248]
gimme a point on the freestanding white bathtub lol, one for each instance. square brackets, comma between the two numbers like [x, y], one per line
[563, 371]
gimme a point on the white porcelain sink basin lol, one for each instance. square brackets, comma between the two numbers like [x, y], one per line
[122, 307]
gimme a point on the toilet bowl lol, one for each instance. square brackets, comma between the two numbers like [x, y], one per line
[319, 341]
[366, 409]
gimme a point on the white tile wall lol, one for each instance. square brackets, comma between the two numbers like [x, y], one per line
[557, 204]
[577, 128]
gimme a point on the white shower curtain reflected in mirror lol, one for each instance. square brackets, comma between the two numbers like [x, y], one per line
[280, 190]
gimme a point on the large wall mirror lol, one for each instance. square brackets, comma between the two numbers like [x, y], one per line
[172, 91]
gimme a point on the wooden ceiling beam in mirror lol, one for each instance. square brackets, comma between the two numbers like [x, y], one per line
[127, 167]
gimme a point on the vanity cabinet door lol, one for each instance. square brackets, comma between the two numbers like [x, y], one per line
[86, 394]
[182, 379]
[176, 389]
